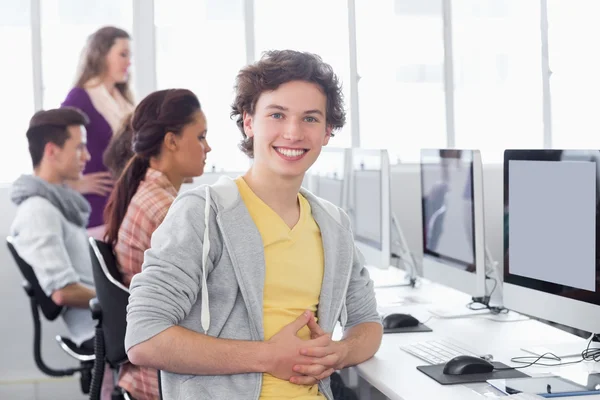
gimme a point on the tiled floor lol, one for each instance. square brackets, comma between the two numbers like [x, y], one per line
[50, 389]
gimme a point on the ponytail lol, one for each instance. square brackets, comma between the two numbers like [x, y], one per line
[160, 112]
[121, 196]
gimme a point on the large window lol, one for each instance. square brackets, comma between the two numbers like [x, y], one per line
[316, 26]
[200, 46]
[66, 25]
[401, 67]
[16, 86]
[573, 32]
[497, 75]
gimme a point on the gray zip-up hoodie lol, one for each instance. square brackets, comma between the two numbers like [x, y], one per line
[222, 296]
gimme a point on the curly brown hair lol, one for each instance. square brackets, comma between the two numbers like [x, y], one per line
[275, 68]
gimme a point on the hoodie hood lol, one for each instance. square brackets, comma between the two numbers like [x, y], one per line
[70, 203]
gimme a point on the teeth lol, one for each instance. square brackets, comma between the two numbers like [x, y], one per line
[291, 152]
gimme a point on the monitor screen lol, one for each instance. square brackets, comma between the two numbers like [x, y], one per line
[367, 205]
[367, 192]
[551, 222]
[448, 206]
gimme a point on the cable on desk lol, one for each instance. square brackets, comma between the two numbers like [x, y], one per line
[591, 354]
[483, 302]
[586, 355]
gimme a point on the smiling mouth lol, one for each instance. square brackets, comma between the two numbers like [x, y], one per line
[291, 153]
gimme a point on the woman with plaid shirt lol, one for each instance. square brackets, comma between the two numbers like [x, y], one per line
[169, 146]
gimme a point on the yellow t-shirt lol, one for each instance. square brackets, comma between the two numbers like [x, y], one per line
[293, 276]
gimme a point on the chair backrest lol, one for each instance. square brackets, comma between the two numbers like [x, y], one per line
[113, 297]
[50, 309]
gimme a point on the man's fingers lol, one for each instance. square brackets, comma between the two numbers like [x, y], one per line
[317, 351]
[311, 380]
[304, 380]
[314, 327]
[321, 341]
[300, 322]
[310, 370]
[325, 374]
[327, 361]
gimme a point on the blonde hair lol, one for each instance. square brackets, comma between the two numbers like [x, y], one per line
[93, 58]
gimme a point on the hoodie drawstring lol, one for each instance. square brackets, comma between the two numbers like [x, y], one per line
[205, 311]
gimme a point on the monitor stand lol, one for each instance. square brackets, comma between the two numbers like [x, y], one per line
[404, 256]
[461, 310]
[563, 350]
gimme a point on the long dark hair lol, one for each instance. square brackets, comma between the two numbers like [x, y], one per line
[93, 62]
[159, 113]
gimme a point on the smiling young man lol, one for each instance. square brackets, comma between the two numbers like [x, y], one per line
[246, 279]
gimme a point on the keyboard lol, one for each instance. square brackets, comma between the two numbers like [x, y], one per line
[438, 351]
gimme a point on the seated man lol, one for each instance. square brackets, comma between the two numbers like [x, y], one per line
[246, 279]
[49, 229]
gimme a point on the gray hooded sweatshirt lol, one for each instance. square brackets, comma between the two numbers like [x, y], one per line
[49, 234]
[205, 272]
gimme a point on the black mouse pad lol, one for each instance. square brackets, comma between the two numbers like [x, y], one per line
[436, 372]
[418, 328]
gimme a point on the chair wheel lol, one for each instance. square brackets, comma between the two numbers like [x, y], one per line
[86, 380]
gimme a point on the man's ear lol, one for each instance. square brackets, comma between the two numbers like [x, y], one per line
[328, 131]
[247, 121]
[50, 151]
[170, 141]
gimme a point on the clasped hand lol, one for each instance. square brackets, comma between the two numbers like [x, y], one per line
[305, 362]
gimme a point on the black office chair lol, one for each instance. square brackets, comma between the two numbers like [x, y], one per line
[111, 295]
[51, 311]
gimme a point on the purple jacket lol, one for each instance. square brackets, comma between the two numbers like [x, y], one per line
[99, 134]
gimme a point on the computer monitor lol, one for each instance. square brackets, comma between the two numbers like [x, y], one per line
[369, 206]
[551, 241]
[329, 176]
[453, 219]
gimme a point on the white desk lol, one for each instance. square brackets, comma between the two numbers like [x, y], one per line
[393, 371]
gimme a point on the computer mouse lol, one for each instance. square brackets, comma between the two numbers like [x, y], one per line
[394, 321]
[464, 365]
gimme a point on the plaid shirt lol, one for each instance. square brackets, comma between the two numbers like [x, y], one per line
[146, 211]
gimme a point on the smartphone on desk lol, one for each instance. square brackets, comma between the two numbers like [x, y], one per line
[547, 386]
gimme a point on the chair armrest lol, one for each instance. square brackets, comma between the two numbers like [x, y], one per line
[96, 309]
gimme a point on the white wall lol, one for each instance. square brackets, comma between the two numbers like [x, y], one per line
[16, 328]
